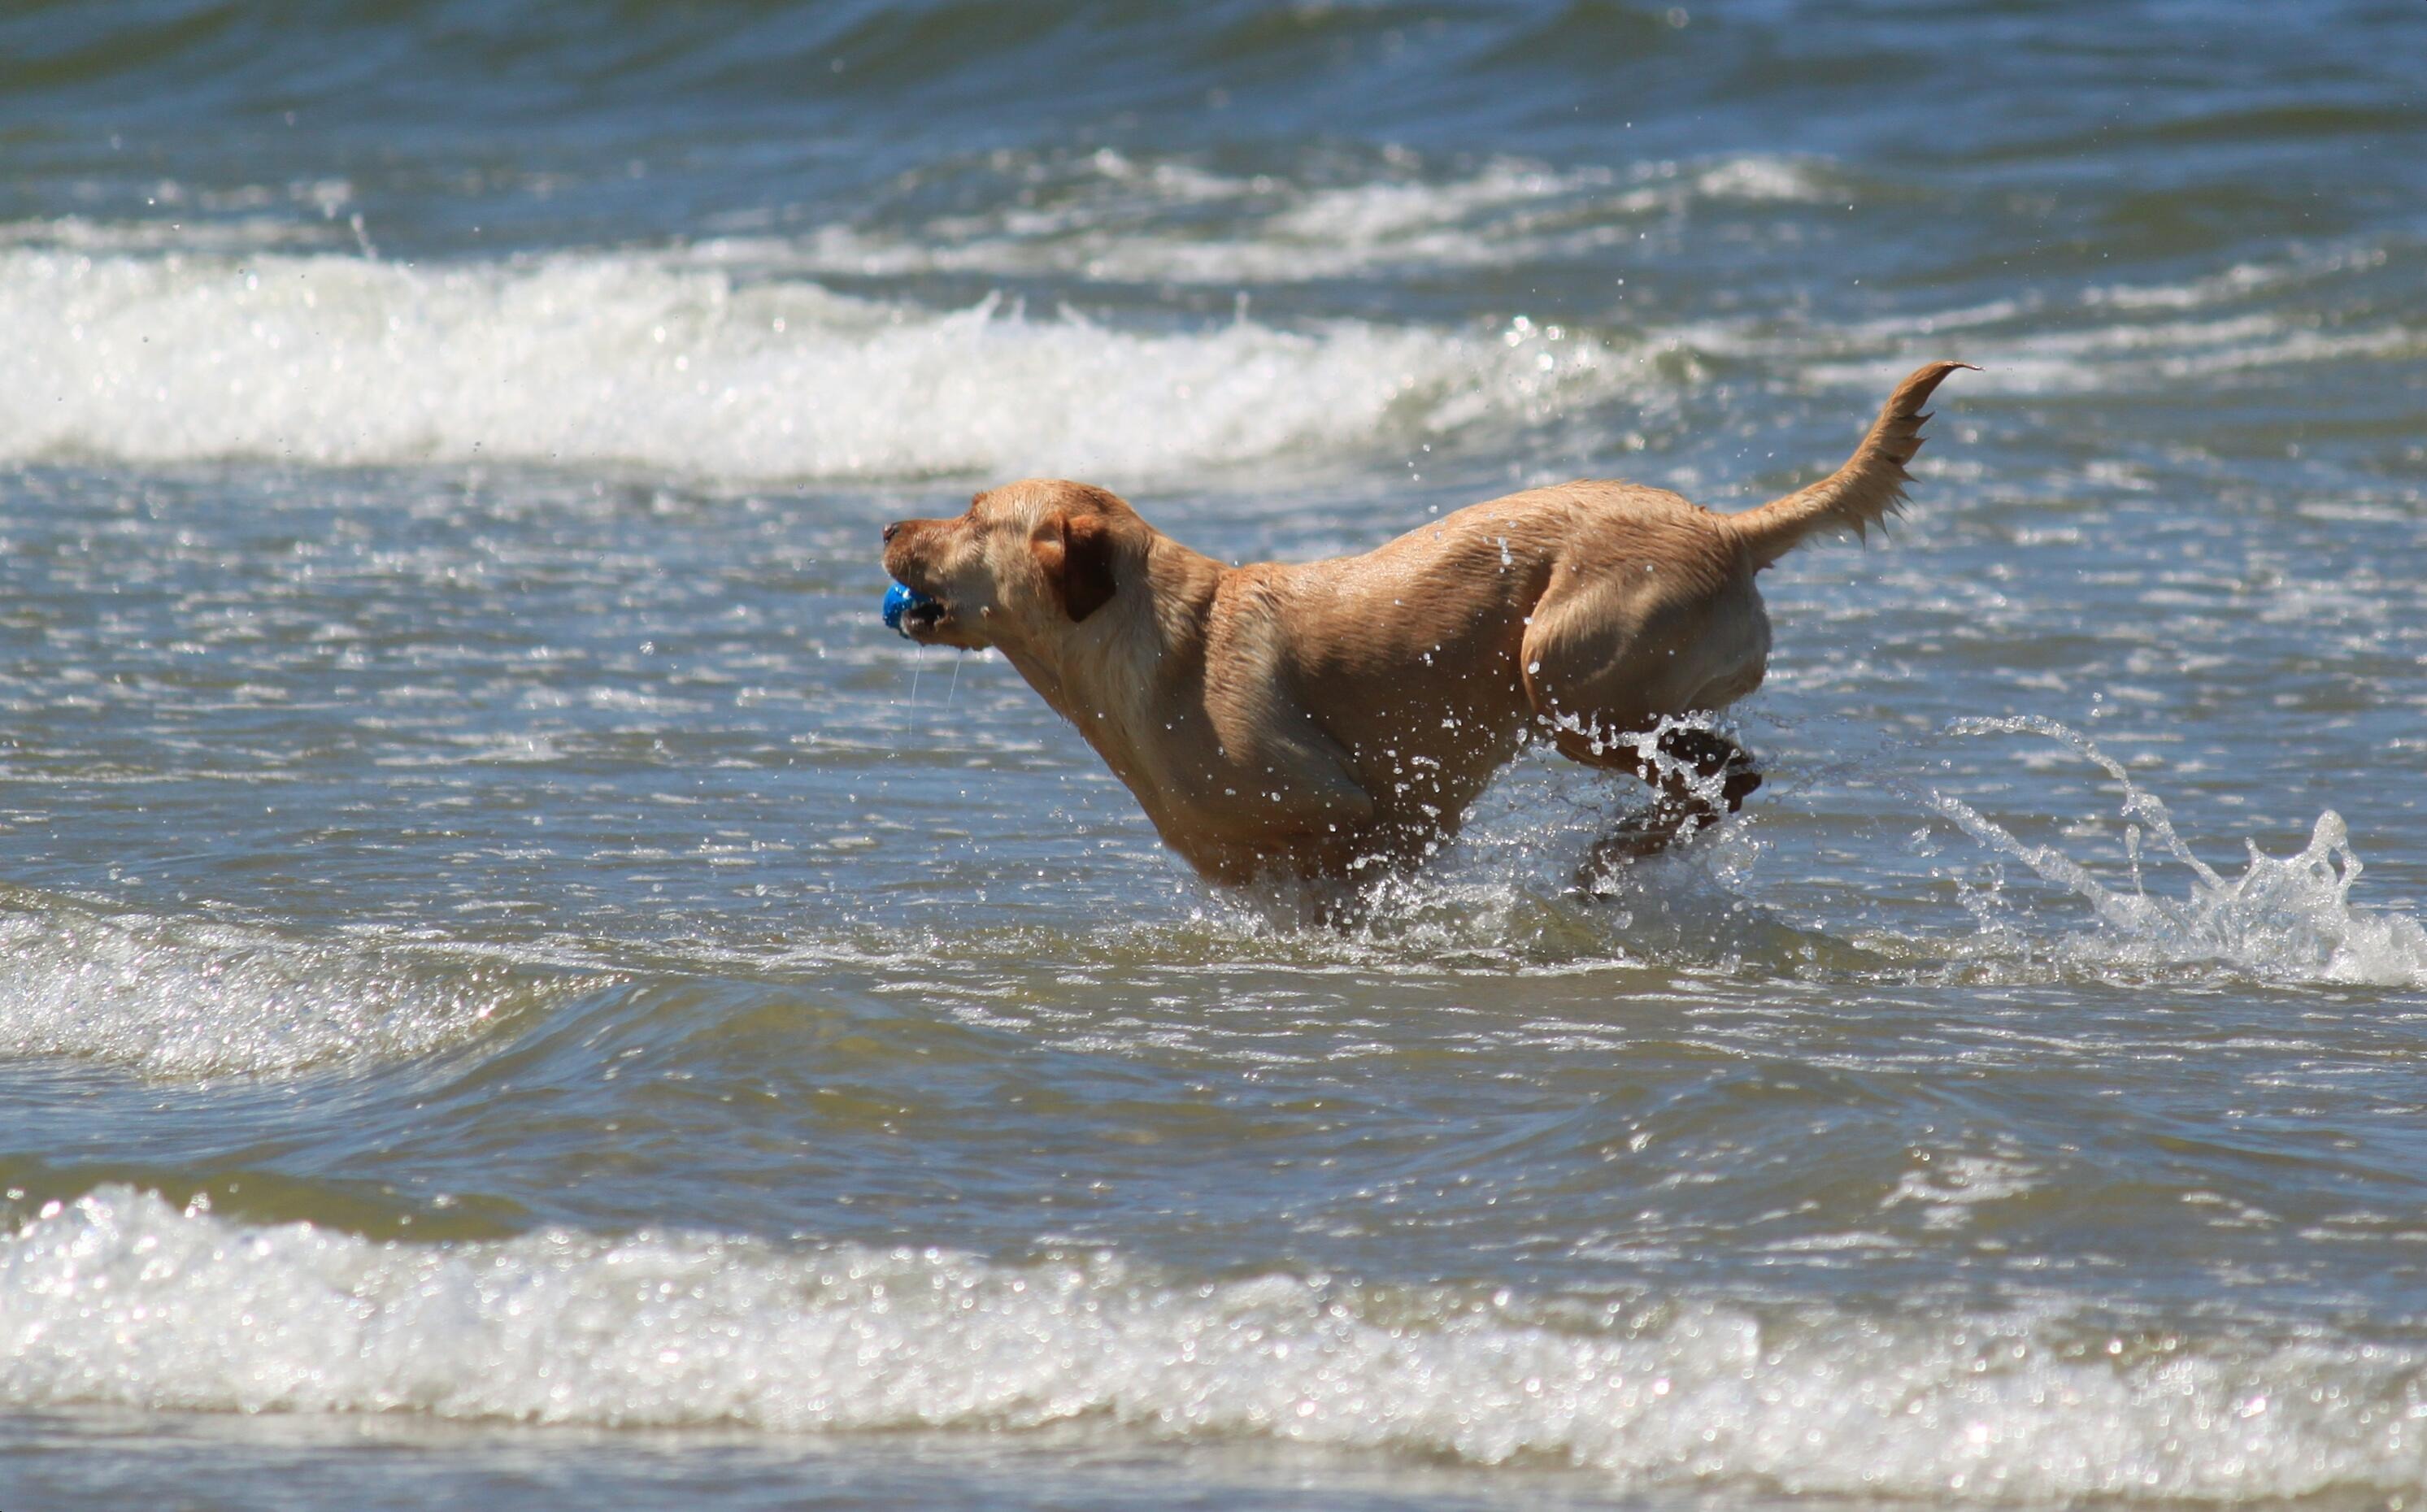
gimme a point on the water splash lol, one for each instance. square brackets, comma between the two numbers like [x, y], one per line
[1519, 885]
[2284, 919]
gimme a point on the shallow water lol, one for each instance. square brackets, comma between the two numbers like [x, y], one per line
[512, 985]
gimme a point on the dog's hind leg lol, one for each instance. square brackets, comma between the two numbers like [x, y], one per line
[1697, 775]
[1701, 775]
[1612, 658]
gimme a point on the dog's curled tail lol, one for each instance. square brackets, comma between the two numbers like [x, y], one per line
[1856, 496]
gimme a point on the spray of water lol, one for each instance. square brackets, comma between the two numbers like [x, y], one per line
[1520, 884]
[2286, 918]
[1506, 892]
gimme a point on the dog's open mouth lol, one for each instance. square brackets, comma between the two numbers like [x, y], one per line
[910, 612]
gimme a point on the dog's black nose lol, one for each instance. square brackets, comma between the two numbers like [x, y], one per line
[891, 531]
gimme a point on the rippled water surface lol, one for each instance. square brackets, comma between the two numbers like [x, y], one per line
[514, 990]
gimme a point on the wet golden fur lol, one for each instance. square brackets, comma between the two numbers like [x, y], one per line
[1332, 718]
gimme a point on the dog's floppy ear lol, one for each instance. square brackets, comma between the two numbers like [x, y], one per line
[1077, 561]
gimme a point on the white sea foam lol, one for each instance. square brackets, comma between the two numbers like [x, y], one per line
[2131, 358]
[228, 235]
[2126, 338]
[2287, 919]
[187, 999]
[673, 361]
[2305, 265]
[1120, 224]
[120, 1298]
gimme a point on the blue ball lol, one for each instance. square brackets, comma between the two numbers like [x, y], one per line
[899, 600]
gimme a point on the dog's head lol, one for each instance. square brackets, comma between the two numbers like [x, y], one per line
[1026, 561]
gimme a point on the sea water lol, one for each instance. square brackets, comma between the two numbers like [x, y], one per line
[516, 991]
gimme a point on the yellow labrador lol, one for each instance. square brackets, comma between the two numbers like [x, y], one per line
[1336, 719]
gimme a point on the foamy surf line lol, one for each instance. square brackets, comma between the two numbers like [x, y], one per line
[122, 1298]
[182, 997]
[660, 362]
[1127, 220]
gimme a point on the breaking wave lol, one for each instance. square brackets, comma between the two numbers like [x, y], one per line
[692, 362]
[120, 1298]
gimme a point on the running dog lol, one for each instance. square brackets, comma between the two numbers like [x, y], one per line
[1334, 720]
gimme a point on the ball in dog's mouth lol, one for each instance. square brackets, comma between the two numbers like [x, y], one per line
[907, 609]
